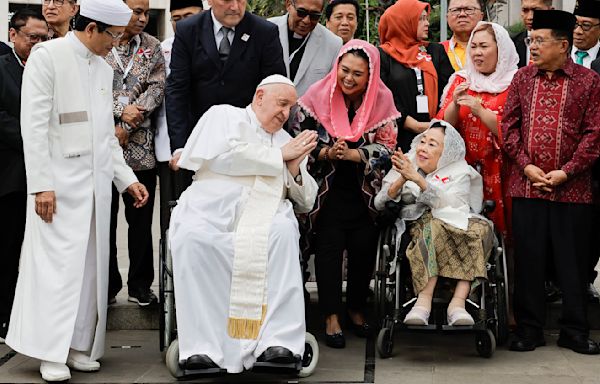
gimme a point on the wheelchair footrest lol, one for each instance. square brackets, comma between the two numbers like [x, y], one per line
[278, 367]
[207, 371]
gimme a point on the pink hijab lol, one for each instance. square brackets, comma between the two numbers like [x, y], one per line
[324, 100]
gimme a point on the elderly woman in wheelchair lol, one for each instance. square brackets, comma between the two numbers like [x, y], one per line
[440, 195]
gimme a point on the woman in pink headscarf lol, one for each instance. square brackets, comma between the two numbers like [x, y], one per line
[355, 117]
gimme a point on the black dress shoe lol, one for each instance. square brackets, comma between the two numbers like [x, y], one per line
[362, 330]
[337, 340]
[579, 344]
[278, 355]
[524, 344]
[199, 362]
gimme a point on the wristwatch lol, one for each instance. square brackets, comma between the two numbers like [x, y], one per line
[298, 178]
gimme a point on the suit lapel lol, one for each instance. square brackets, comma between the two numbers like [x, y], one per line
[285, 44]
[14, 68]
[239, 45]
[312, 46]
[207, 39]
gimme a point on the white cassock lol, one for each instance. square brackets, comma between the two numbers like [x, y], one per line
[228, 149]
[71, 149]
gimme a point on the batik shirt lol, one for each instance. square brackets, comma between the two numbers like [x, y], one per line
[553, 123]
[144, 85]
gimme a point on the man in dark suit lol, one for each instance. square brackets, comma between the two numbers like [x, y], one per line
[527, 8]
[218, 57]
[596, 65]
[27, 27]
[4, 49]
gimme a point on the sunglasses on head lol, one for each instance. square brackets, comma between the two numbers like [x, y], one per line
[302, 13]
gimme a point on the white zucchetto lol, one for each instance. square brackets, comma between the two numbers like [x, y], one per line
[112, 12]
[275, 79]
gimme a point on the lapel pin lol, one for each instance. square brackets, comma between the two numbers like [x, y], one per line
[245, 37]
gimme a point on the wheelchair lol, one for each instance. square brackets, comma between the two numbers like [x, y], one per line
[394, 296]
[303, 367]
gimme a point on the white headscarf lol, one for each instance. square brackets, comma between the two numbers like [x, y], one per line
[507, 65]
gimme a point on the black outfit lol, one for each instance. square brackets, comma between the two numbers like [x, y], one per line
[4, 49]
[547, 232]
[595, 255]
[596, 65]
[139, 233]
[295, 44]
[519, 41]
[13, 189]
[199, 79]
[171, 184]
[344, 223]
[402, 81]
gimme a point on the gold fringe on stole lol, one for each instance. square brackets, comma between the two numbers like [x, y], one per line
[245, 328]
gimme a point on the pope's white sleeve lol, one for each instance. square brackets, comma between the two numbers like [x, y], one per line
[36, 108]
[304, 195]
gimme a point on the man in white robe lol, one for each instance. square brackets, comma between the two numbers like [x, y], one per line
[71, 158]
[234, 237]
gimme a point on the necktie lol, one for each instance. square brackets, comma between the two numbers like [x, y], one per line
[580, 56]
[225, 45]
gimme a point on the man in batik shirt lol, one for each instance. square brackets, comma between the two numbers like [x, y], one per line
[551, 133]
[138, 89]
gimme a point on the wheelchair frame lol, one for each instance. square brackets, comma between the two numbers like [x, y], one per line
[393, 302]
[304, 367]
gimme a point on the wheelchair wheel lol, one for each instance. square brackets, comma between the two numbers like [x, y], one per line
[385, 252]
[385, 343]
[311, 356]
[172, 360]
[501, 292]
[167, 321]
[485, 343]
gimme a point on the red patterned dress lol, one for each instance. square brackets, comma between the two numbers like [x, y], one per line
[484, 148]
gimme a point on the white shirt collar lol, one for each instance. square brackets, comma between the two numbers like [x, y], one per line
[592, 52]
[216, 24]
[80, 48]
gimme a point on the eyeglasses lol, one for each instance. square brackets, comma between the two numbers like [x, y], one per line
[302, 13]
[469, 11]
[539, 41]
[586, 26]
[114, 37]
[33, 37]
[57, 3]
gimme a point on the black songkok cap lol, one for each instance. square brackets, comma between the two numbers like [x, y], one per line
[587, 8]
[554, 19]
[178, 4]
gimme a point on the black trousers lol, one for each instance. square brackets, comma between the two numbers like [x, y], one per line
[359, 239]
[13, 207]
[556, 233]
[172, 184]
[139, 238]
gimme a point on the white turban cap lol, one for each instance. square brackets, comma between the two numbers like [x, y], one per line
[111, 12]
[275, 79]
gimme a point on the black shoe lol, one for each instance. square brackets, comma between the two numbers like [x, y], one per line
[278, 355]
[143, 297]
[3, 331]
[580, 344]
[363, 330]
[337, 340]
[195, 362]
[525, 344]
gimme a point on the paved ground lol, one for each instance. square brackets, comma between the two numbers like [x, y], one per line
[134, 357]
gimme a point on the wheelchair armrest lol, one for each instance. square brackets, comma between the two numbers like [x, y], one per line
[488, 206]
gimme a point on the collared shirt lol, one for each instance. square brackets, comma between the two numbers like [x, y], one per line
[217, 31]
[457, 53]
[143, 85]
[592, 54]
[553, 124]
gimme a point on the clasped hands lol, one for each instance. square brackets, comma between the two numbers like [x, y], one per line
[340, 151]
[296, 150]
[133, 115]
[462, 98]
[405, 167]
[545, 182]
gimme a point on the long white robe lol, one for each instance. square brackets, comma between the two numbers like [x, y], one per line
[227, 149]
[61, 293]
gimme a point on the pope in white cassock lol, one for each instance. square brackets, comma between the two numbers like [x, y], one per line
[234, 236]
[71, 157]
